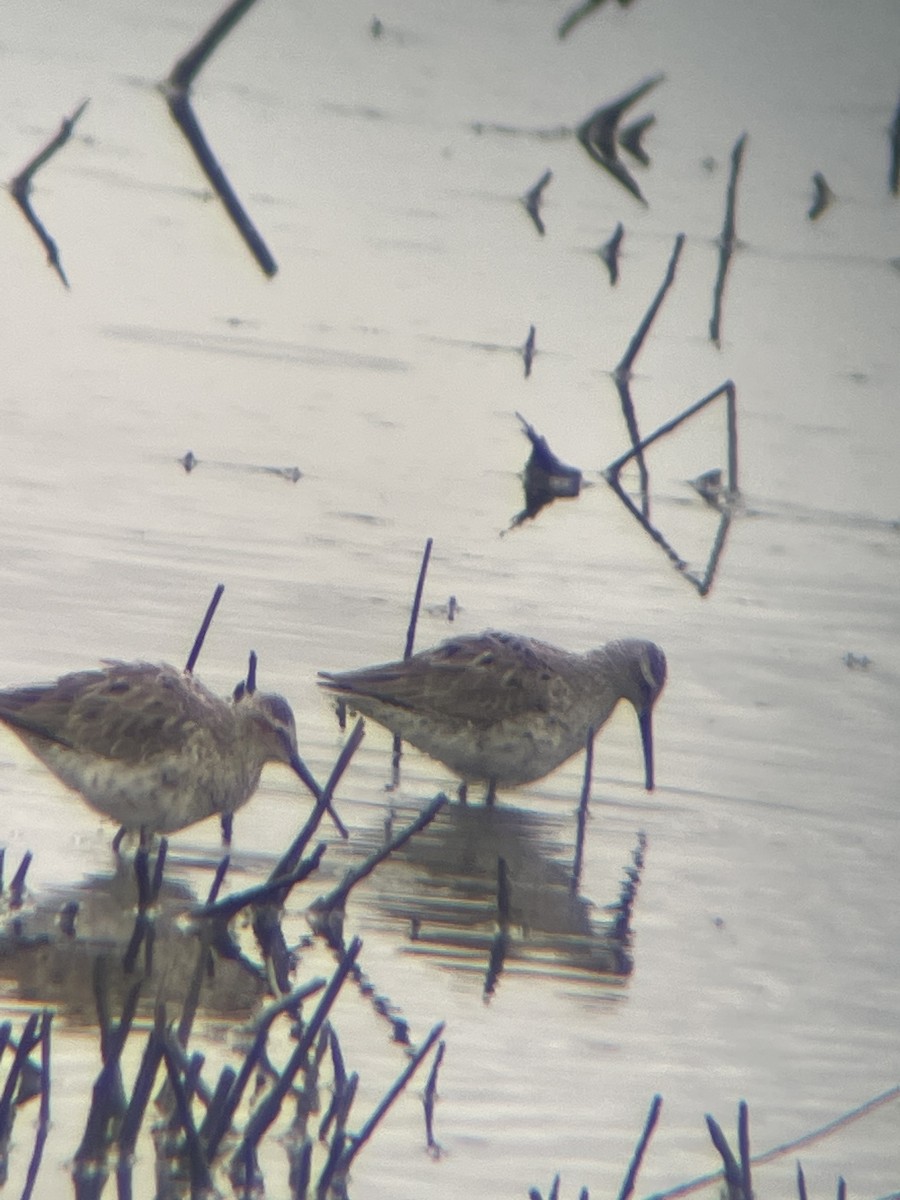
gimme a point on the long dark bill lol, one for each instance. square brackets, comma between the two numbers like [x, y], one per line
[645, 721]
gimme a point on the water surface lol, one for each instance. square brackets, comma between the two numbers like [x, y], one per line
[382, 361]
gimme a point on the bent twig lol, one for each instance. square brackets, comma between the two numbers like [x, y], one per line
[20, 187]
[176, 90]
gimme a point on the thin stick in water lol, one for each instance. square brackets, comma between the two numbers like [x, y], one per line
[609, 253]
[218, 880]
[417, 600]
[583, 811]
[221, 1118]
[639, 1151]
[368, 1129]
[729, 1162]
[43, 1127]
[528, 350]
[341, 1088]
[430, 1098]
[274, 890]
[332, 1163]
[217, 1102]
[323, 796]
[17, 884]
[801, 1182]
[177, 93]
[337, 897]
[20, 187]
[727, 240]
[532, 203]
[623, 370]
[612, 472]
[397, 750]
[204, 627]
[107, 1098]
[894, 164]
[269, 1107]
[201, 1182]
[744, 1148]
[143, 1086]
[27, 1042]
[571, 19]
[622, 373]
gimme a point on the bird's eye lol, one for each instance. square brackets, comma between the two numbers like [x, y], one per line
[279, 710]
[653, 669]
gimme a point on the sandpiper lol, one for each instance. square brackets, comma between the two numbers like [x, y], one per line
[503, 709]
[149, 745]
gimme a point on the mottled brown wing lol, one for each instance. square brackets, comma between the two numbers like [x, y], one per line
[483, 678]
[128, 712]
[41, 709]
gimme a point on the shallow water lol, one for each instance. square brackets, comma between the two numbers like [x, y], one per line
[382, 361]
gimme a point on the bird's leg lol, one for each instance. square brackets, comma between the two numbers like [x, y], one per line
[396, 755]
[142, 875]
[490, 795]
[158, 868]
[118, 839]
[462, 793]
[227, 822]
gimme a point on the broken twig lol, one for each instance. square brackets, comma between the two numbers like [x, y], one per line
[20, 187]
[728, 241]
[176, 90]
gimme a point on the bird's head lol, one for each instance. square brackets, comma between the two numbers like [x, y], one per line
[272, 721]
[643, 673]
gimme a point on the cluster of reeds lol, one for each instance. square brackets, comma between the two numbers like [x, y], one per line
[24, 1080]
[735, 1177]
[203, 1129]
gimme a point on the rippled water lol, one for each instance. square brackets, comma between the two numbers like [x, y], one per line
[383, 362]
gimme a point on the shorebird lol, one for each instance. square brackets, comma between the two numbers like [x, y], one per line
[150, 746]
[503, 709]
